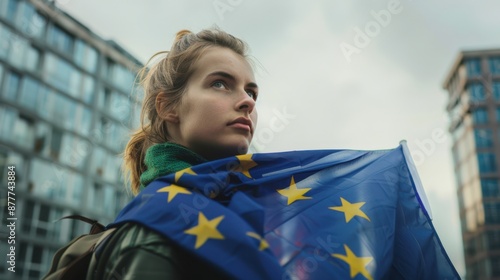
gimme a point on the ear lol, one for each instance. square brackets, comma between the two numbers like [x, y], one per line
[170, 114]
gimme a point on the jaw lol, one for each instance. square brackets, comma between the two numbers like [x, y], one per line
[230, 146]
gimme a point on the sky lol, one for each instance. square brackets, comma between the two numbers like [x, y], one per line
[337, 74]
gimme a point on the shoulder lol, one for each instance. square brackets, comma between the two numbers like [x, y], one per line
[130, 236]
[134, 251]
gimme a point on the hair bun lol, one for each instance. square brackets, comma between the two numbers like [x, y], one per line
[181, 34]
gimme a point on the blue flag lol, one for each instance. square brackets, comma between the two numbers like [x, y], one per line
[323, 214]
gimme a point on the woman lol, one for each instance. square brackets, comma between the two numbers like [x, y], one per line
[205, 206]
[199, 106]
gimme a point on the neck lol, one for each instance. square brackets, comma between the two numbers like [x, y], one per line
[166, 158]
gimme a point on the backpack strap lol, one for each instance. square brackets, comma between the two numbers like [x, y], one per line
[96, 226]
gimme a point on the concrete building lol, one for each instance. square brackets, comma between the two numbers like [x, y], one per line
[67, 104]
[473, 85]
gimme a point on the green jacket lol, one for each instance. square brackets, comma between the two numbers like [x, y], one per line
[135, 252]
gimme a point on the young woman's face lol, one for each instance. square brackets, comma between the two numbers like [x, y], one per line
[216, 117]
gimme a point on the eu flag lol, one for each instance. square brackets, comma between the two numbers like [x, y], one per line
[322, 214]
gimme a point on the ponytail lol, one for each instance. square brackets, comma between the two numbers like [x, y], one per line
[133, 158]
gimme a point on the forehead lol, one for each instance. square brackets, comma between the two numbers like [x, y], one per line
[223, 59]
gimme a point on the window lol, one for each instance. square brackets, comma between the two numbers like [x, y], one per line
[45, 101]
[498, 114]
[24, 132]
[109, 199]
[42, 139]
[105, 165]
[95, 197]
[112, 167]
[39, 221]
[476, 92]
[60, 39]
[495, 266]
[473, 66]
[492, 212]
[31, 61]
[122, 78]
[74, 151]
[32, 22]
[98, 163]
[37, 217]
[61, 75]
[11, 86]
[76, 189]
[17, 52]
[83, 119]
[69, 113]
[496, 90]
[106, 68]
[5, 38]
[487, 162]
[493, 240]
[100, 96]
[8, 117]
[64, 111]
[490, 187]
[10, 12]
[88, 89]
[1, 73]
[105, 99]
[480, 116]
[55, 143]
[85, 56]
[29, 93]
[483, 138]
[112, 134]
[494, 65]
[120, 107]
[55, 182]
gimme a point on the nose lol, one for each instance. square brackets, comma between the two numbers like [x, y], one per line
[246, 103]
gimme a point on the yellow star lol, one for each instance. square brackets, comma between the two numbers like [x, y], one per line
[246, 163]
[178, 174]
[263, 243]
[356, 264]
[293, 194]
[205, 229]
[173, 190]
[350, 209]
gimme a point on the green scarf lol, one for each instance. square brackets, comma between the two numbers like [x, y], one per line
[166, 158]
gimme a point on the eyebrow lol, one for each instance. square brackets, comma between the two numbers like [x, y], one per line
[230, 77]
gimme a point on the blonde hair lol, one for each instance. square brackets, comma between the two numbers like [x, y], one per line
[166, 80]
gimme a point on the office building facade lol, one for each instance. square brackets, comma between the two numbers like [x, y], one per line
[473, 86]
[67, 104]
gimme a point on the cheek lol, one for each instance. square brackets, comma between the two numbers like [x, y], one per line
[254, 116]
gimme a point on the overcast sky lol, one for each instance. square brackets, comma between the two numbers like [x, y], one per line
[343, 74]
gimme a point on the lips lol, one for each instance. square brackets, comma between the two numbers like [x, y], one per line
[242, 123]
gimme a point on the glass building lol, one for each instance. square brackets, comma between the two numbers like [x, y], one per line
[473, 86]
[67, 104]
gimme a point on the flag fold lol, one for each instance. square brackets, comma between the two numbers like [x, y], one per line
[321, 214]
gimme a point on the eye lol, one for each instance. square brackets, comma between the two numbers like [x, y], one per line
[253, 94]
[219, 85]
